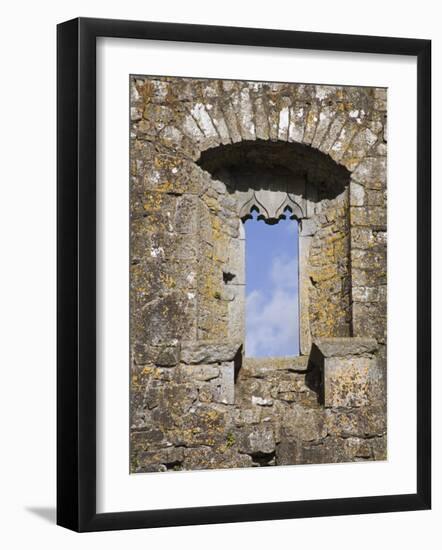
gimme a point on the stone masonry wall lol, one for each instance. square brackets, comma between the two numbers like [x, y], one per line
[203, 153]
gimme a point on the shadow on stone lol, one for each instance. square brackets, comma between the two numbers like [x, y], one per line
[237, 363]
[280, 165]
[264, 459]
[314, 380]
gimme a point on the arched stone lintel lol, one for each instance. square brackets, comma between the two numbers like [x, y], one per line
[280, 180]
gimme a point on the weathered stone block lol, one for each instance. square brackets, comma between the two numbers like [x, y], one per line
[147, 440]
[365, 294]
[256, 392]
[303, 423]
[203, 424]
[312, 120]
[326, 116]
[367, 277]
[350, 371]
[170, 317]
[244, 416]
[186, 216]
[357, 194]
[339, 147]
[208, 458]
[374, 217]
[369, 319]
[260, 367]
[157, 461]
[236, 312]
[287, 452]
[342, 347]
[358, 422]
[298, 114]
[236, 264]
[372, 258]
[347, 381]
[307, 227]
[257, 440]
[168, 355]
[360, 145]
[371, 172]
[332, 133]
[200, 372]
[226, 387]
[195, 352]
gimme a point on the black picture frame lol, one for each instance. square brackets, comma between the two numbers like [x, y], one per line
[76, 274]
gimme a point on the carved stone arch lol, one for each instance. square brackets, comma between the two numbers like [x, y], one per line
[273, 178]
[271, 209]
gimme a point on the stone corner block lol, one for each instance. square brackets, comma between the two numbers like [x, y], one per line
[347, 381]
[350, 373]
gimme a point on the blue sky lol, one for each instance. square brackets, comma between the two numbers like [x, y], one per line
[272, 288]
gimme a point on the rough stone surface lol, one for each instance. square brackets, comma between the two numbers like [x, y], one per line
[342, 347]
[208, 352]
[203, 153]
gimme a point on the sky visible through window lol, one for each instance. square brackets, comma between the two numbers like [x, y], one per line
[272, 312]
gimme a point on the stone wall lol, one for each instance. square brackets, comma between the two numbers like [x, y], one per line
[203, 154]
[323, 409]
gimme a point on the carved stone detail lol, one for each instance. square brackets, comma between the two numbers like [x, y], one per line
[271, 206]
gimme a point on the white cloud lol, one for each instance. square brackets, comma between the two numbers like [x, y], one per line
[284, 273]
[272, 316]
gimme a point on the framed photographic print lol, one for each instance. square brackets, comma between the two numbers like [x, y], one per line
[243, 274]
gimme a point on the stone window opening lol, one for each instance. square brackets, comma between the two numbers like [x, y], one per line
[278, 180]
[272, 284]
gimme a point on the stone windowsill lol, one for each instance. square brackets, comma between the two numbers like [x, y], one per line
[261, 366]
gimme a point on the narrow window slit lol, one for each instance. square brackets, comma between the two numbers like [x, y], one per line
[272, 276]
